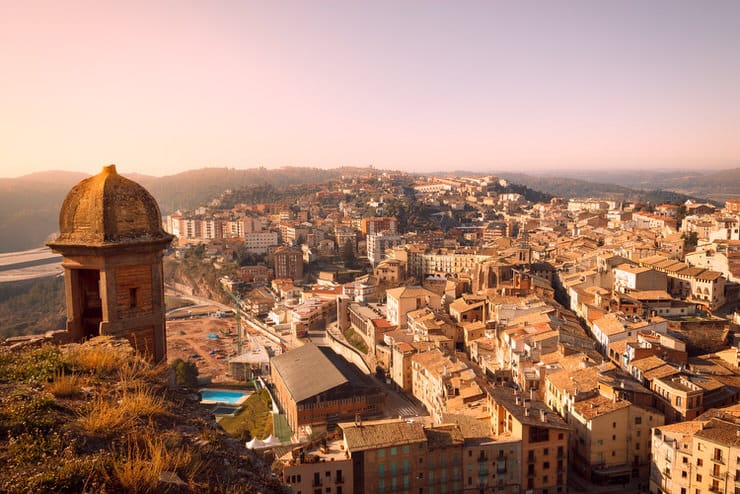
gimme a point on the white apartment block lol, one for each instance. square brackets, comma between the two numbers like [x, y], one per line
[259, 242]
[377, 244]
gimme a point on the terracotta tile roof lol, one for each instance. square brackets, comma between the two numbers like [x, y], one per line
[583, 380]
[381, 434]
[598, 405]
[719, 431]
[443, 436]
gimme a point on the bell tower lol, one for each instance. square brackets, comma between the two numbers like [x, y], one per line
[111, 241]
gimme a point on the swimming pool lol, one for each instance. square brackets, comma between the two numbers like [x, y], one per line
[223, 396]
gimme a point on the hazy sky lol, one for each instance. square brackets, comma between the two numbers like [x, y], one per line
[159, 87]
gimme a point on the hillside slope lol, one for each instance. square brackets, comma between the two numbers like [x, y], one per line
[97, 418]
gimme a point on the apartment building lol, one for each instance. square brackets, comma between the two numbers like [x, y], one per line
[698, 456]
[544, 436]
[400, 301]
[288, 263]
[436, 378]
[378, 243]
[326, 469]
[616, 327]
[672, 457]
[490, 463]
[719, 256]
[611, 440]
[313, 314]
[260, 242]
[630, 277]
[611, 417]
[372, 226]
[395, 456]
[390, 271]
[653, 221]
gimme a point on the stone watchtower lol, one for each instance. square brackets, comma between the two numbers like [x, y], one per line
[111, 240]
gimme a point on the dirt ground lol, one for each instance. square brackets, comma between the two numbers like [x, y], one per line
[188, 339]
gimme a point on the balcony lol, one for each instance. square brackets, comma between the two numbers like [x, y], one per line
[339, 480]
[316, 483]
[718, 459]
[717, 475]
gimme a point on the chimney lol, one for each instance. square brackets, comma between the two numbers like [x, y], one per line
[518, 401]
[526, 412]
[531, 394]
[543, 416]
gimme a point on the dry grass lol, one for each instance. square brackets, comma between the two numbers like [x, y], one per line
[64, 385]
[145, 458]
[138, 370]
[104, 418]
[143, 402]
[99, 360]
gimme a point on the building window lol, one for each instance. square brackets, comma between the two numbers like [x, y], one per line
[638, 420]
[699, 462]
[132, 298]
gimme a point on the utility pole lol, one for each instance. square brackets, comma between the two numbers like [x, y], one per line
[238, 303]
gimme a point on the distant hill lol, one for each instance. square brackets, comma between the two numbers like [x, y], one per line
[717, 185]
[570, 187]
[29, 205]
[195, 187]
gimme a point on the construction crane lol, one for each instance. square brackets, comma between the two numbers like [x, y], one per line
[238, 302]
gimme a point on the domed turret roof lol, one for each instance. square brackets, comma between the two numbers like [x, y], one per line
[108, 209]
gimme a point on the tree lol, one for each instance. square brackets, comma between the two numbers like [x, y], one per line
[348, 255]
[186, 373]
[690, 241]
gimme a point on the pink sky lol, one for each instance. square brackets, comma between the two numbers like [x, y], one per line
[164, 86]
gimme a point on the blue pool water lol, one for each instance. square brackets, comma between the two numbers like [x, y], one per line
[223, 396]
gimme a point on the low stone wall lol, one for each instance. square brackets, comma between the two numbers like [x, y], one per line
[702, 337]
[350, 353]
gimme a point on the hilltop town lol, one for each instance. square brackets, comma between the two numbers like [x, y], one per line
[441, 334]
[541, 344]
